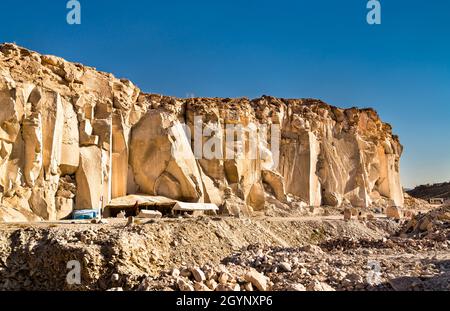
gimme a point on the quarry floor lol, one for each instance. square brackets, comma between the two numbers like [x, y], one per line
[346, 255]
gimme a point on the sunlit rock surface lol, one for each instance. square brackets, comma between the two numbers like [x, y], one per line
[72, 137]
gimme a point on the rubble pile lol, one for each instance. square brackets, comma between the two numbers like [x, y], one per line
[415, 203]
[221, 253]
[342, 264]
[434, 225]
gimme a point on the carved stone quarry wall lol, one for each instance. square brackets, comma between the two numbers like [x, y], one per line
[72, 137]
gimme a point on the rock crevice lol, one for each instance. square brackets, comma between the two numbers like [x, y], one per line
[72, 137]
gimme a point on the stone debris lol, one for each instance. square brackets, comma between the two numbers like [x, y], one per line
[198, 274]
[149, 214]
[212, 284]
[285, 267]
[259, 280]
[184, 285]
[175, 273]
[434, 225]
[185, 272]
[200, 287]
[223, 278]
[338, 268]
[347, 214]
[394, 212]
[121, 215]
[405, 283]
[99, 221]
[345, 255]
[314, 249]
[318, 286]
[415, 203]
[248, 287]
[296, 288]
[130, 221]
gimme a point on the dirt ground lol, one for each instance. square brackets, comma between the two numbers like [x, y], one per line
[294, 253]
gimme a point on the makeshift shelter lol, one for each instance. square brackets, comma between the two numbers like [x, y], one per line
[134, 202]
[194, 209]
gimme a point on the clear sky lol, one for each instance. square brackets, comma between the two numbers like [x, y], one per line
[322, 49]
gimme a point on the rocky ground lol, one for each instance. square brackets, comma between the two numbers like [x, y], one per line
[314, 252]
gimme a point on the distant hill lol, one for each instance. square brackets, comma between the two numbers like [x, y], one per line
[441, 190]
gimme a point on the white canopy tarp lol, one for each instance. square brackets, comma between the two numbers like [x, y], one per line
[183, 206]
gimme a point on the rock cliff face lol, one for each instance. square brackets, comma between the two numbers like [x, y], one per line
[72, 137]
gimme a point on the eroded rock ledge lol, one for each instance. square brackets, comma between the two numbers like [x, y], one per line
[75, 138]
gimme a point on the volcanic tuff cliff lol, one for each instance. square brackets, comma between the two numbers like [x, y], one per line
[74, 138]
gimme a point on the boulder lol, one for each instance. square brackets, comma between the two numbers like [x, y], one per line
[149, 214]
[259, 280]
[296, 287]
[347, 214]
[276, 182]
[285, 267]
[316, 285]
[162, 159]
[184, 285]
[393, 212]
[198, 274]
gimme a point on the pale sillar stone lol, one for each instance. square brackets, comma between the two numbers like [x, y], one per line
[72, 137]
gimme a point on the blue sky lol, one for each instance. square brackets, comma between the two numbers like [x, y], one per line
[321, 49]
